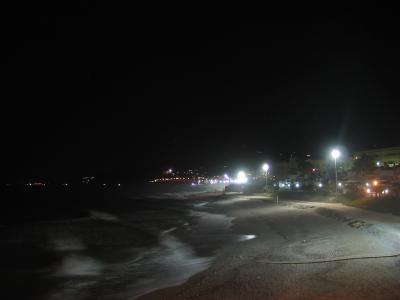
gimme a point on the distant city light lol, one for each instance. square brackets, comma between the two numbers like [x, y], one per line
[320, 185]
[41, 184]
[378, 163]
[339, 184]
[368, 190]
[386, 191]
[367, 183]
[297, 185]
[375, 182]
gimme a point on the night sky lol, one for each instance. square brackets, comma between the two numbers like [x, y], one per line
[91, 88]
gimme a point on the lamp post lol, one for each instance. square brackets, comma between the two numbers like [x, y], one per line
[265, 168]
[335, 153]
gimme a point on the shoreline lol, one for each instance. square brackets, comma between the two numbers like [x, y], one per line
[297, 231]
[208, 245]
[93, 254]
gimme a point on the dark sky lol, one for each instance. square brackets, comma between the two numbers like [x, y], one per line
[93, 88]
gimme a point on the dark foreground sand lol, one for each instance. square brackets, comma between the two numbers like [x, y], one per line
[302, 250]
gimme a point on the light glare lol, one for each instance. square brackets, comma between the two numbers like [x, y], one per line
[335, 153]
[241, 177]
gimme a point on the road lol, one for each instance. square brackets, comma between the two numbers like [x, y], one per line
[301, 250]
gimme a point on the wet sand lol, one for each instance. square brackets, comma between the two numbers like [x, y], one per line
[301, 250]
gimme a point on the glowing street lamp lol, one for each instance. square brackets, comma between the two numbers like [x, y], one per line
[241, 177]
[335, 153]
[265, 168]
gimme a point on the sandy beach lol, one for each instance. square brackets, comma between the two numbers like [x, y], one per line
[203, 244]
[297, 250]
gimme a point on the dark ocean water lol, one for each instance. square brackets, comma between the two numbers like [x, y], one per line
[105, 242]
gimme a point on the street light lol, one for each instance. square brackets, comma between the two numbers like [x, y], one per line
[241, 177]
[265, 168]
[335, 155]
